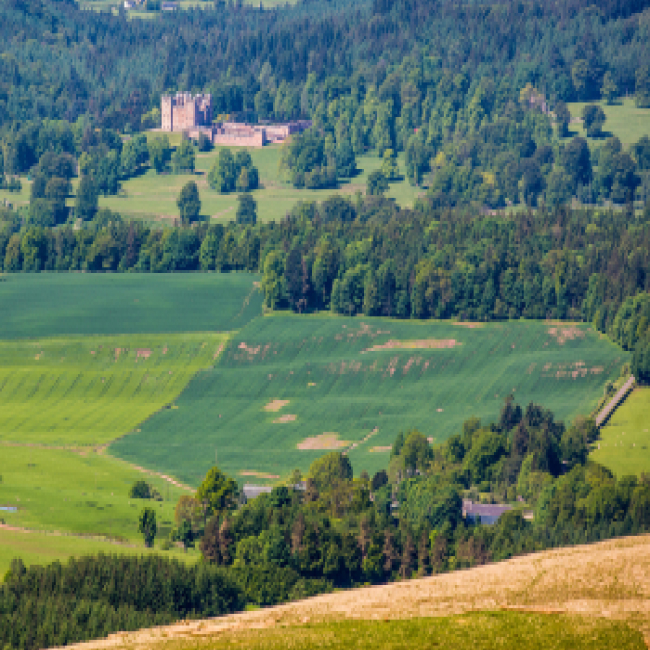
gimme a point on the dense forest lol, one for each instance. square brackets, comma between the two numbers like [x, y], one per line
[471, 92]
[332, 530]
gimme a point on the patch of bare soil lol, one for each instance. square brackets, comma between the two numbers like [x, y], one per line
[469, 325]
[250, 472]
[563, 333]
[289, 417]
[422, 344]
[276, 405]
[609, 579]
[323, 441]
[380, 449]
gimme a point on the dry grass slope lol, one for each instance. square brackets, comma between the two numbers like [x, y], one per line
[609, 580]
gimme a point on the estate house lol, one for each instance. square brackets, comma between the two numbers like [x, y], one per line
[192, 115]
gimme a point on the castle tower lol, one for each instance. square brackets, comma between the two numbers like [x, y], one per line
[167, 112]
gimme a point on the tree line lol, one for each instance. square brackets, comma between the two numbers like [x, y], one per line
[341, 255]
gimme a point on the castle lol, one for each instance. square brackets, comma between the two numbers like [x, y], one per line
[192, 115]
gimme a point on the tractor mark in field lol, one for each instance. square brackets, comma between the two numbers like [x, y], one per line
[421, 344]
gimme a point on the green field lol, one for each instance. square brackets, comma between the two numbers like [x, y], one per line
[334, 384]
[624, 120]
[624, 442]
[62, 304]
[90, 390]
[38, 548]
[477, 630]
[87, 493]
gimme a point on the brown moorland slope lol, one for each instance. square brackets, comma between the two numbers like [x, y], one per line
[608, 580]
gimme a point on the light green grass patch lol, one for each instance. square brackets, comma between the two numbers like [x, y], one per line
[624, 120]
[90, 390]
[80, 493]
[334, 385]
[624, 444]
[61, 304]
[476, 630]
[38, 549]
[154, 196]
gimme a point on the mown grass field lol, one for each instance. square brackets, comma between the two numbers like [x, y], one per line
[624, 120]
[62, 304]
[332, 383]
[90, 390]
[593, 596]
[624, 444]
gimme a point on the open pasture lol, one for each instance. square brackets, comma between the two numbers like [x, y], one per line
[624, 444]
[288, 388]
[90, 390]
[61, 304]
[83, 493]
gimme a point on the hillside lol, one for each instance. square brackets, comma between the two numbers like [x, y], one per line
[299, 386]
[582, 591]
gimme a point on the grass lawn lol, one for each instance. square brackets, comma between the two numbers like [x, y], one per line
[60, 304]
[331, 382]
[152, 196]
[84, 493]
[624, 120]
[91, 390]
[625, 441]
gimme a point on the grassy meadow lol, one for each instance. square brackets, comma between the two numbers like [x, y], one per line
[62, 304]
[284, 381]
[90, 390]
[624, 442]
[624, 120]
[82, 493]
[35, 548]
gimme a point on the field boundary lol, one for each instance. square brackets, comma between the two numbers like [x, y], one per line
[612, 405]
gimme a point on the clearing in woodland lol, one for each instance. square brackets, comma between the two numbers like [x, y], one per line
[624, 443]
[578, 598]
[330, 375]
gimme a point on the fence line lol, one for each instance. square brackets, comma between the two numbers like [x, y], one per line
[603, 416]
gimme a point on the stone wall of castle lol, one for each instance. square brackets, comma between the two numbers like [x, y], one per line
[185, 111]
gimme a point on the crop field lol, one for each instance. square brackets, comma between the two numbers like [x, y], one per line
[90, 390]
[289, 388]
[624, 444]
[583, 597]
[624, 120]
[61, 304]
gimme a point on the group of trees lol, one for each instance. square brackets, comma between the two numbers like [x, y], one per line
[342, 255]
[233, 173]
[407, 520]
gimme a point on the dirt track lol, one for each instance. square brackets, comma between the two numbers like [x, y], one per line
[609, 579]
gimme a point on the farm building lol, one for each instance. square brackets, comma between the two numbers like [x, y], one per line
[483, 512]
